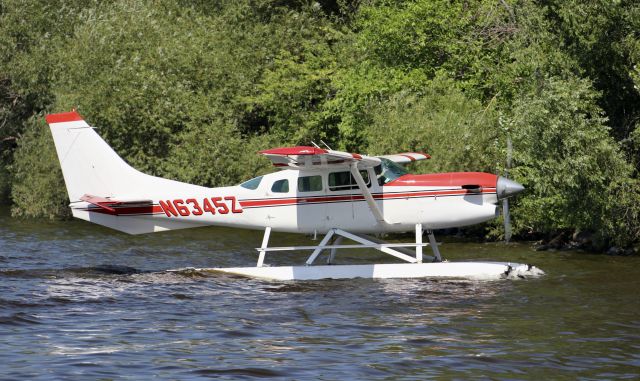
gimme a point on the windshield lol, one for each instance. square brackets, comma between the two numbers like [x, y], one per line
[252, 184]
[388, 171]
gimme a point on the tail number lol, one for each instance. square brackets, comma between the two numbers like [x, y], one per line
[212, 205]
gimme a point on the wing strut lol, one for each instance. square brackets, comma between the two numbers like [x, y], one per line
[367, 195]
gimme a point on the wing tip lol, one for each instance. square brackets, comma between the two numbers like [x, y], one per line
[62, 117]
[297, 150]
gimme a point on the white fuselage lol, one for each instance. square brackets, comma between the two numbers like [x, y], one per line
[317, 192]
[292, 209]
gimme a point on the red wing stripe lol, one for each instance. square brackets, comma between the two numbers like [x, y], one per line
[100, 202]
[409, 156]
[62, 117]
[298, 150]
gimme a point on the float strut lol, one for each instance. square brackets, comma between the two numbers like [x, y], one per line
[332, 256]
[418, 241]
[320, 247]
[265, 244]
[434, 246]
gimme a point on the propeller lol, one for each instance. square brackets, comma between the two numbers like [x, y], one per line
[505, 201]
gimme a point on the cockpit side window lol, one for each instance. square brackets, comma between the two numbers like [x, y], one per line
[388, 171]
[252, 184]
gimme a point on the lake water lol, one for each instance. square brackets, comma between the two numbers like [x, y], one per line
[81, 302]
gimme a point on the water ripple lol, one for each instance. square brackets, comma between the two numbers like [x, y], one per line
[85, 303]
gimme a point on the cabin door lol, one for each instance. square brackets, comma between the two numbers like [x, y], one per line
[311, 196]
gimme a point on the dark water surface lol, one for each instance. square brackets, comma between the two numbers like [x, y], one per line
[82, 302]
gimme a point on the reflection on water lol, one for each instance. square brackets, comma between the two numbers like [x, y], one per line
[82, 302]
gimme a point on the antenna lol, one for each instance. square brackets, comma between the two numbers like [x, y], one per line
[325, 144]
[314, 144]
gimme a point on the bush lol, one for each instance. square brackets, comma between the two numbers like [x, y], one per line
[459, 133]
[38, 188]
[564, 156]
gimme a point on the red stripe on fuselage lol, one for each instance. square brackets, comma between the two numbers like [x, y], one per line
[256, 203]
[445, 180]
[291, 201]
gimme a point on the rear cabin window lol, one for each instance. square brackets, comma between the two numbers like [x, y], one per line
[280, 186]
[339, 181]
[252, 184]
[309, 184]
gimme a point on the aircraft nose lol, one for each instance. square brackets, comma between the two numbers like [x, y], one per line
[507, 188]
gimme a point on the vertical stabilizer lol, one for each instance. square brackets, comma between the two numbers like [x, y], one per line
[93, 171]
[91, 166]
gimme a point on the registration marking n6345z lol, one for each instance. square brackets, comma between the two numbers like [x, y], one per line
[191, 206]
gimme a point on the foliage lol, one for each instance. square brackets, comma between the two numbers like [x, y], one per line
[38, 187]
[604, 38]
[222, 82]
[459, 133]
[28, 29]
[622, 223]
[183, 89]
[564, 157]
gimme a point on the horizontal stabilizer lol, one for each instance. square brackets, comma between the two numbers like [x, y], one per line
[109, 205]
[100, 202]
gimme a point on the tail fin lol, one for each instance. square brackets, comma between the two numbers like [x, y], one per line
[91, 167]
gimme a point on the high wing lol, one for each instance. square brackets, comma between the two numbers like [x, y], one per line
[305, 157]
[406, 157]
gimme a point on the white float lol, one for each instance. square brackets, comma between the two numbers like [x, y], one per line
[452, 270]
[414, 269]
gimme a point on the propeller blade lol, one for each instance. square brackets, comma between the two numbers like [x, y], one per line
[505, 201]
[507, 220]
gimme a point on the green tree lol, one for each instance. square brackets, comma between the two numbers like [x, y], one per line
[564, 156]
[183, 89]
[459, 133]
[28, 30]
[38, 187]
[183, 94]
[604, 39]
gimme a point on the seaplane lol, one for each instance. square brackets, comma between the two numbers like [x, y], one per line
[314, 191]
